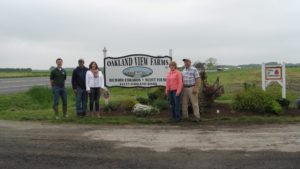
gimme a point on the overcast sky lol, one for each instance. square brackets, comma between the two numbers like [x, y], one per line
[33, 33]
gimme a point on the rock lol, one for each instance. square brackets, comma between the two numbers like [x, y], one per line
[144, 110]
[298, 103]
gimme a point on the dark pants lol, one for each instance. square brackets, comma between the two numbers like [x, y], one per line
[81, 101]
[59, 92]
[175, 105]
[94, 99]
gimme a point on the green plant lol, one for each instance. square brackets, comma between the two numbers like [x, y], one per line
[161, 104]
[142, 100]
[41, 95]
[257, 100]
[157, 93]
[112, 106]
[276, 108]
[284, 103]
[128, 104]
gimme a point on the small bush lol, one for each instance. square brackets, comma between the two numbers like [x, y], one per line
[284, 103]
[112, 106]
[257, 100]
[157, 93]
[161, 104]
[142, 100]
[128, 104]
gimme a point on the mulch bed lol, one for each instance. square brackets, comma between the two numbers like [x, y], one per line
[224, 110]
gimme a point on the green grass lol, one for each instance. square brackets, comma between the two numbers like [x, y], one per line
[35, 105]
[233, 81]
[14, 74]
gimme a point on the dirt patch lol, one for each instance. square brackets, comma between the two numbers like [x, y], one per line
[162, 139]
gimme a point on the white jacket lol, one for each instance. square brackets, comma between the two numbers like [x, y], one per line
[92, 81]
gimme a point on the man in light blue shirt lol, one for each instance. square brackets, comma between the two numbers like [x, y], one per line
[191, 84]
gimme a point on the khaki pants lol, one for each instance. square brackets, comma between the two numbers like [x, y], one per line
[187, 95]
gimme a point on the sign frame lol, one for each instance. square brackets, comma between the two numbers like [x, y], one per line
[131, 55]
[281, 78]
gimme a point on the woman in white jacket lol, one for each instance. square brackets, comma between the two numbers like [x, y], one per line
[94, 82]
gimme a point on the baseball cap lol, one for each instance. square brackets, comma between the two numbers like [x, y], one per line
[186, 59]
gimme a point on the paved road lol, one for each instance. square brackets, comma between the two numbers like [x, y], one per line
[27, 145]
[10, 85]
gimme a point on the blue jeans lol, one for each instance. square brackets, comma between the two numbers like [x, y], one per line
[94, 99]
[81, 101]
[59, 92]
[175, 105]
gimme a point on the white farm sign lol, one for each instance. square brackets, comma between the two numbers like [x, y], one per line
[274, 73]
[138, 70]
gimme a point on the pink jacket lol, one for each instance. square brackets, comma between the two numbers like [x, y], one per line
[174, 81]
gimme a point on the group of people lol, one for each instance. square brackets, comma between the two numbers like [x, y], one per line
[181, 88]
[85, 82]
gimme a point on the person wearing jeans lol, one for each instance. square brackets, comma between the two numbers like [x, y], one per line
[94, 82]
[173, 90]
[79, 88]
[58, 77]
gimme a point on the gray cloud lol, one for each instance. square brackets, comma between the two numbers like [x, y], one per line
[33, 33]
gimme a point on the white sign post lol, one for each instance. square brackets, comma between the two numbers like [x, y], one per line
[137, 70]
[274, 73]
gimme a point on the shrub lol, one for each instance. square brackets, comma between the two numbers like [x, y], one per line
[257, 100]
[112, 106]
[161, 104]
[128, 104]
[142, 100]
[276, 108]
[157, 93]
[284, 103]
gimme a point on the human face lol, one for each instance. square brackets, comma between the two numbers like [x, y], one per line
[81, 63]
[172, 67]
[187, 63]
[59, 63]
[94, 66]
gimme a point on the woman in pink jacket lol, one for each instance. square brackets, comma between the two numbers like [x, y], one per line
[173, 89]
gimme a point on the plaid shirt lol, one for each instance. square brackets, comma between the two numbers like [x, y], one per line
[189, 76]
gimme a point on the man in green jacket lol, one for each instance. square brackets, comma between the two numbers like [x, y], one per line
[58, 77]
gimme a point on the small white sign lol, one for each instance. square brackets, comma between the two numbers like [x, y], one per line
[138, 70]
[274, 73]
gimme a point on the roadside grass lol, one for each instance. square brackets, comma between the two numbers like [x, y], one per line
[14, 74]
[35, 104]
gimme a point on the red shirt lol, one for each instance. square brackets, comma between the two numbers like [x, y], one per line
[174, 81]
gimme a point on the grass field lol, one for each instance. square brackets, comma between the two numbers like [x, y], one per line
[233, 81]
[36, 104]
[14, 74]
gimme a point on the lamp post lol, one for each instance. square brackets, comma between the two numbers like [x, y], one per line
[104, 52]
